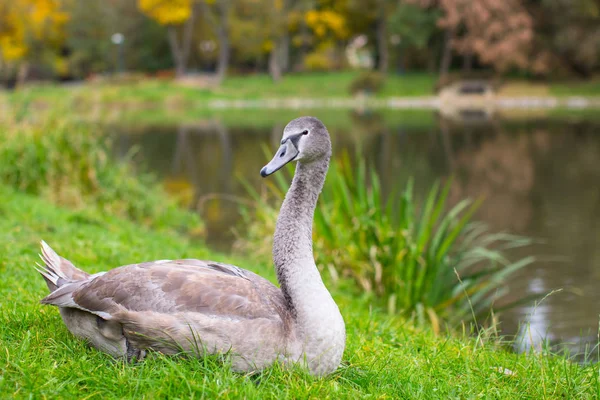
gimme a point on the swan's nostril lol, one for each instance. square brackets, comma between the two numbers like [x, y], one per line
[282, 154]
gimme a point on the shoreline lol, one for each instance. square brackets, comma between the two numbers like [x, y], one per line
[404, 103]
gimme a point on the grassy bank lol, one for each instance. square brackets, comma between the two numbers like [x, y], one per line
[159, 101]
[316, 85]
[247, 87]
[82, 104]
[58, 183]
[68, 162]
[385, 357]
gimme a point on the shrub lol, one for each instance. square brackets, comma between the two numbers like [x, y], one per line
[323, 58]
[369, 82]
[431, 264]
[318, 61]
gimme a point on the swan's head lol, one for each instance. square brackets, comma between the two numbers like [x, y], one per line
[304, 139]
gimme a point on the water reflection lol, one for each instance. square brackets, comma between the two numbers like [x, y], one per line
[540, 177]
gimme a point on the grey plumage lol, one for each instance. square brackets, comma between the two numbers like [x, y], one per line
[205, 306]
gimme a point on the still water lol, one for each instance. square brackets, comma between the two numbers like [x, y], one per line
[539, 175]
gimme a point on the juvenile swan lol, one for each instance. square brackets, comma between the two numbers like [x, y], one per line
[205, 306]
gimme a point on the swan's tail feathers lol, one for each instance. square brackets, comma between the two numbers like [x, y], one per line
[58, 271]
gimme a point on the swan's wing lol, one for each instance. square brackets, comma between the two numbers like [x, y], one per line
[169, 287]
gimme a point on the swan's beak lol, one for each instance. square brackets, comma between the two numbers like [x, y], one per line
[286, 153]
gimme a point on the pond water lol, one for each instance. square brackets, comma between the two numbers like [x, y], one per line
[539, 175]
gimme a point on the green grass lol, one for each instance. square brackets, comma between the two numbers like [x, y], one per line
[157, 101]
[385, 357]
[315, 85]
[323, 85]
[589, 88]
[310, 85]
[80, 103]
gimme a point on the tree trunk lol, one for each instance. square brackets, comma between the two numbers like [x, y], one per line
[188, 33]
[22, 74]
[285, 40]
[304, 45]
[284, 55]
[223, 37]
[382, 43]
[431, 61]
[181, 51]
[2, 72]
[176, 51]
[468, 62]
[274, 63]
[446, 54]
[434, 48]
[220, 25]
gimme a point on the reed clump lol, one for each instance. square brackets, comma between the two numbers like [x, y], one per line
[429, 261]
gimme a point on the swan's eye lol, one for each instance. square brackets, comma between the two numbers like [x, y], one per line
[305, 132]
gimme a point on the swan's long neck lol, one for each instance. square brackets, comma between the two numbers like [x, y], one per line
[306, 295]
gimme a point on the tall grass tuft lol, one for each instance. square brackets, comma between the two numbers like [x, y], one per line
[68, 162]
[430, 262]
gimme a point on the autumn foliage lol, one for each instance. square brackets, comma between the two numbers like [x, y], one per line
[542, 38]
[500, 32]
[167, 12]
[25, 24]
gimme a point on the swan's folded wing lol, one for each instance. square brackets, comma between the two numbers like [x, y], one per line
[179, 286]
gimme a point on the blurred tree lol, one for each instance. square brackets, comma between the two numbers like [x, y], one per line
[382, 35]
[218, 14]
[328, 23]
[262, 32]
[499, 32]
[89, 36]
[413, 27]
[384, 9]
[32, 31]
[371, 17]
[93, 23]
[279, 37]
[248, 33]
[534, 36]
[567, 35]
[174, 14]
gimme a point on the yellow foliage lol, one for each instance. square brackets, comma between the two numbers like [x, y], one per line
[46, 15]
[327, 21]
[24, 20]
[11, 49]
[167, 12]
[267, 46]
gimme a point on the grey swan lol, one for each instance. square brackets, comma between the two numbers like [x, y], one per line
[201, 307]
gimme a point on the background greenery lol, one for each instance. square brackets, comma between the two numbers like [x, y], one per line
[70, 40]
